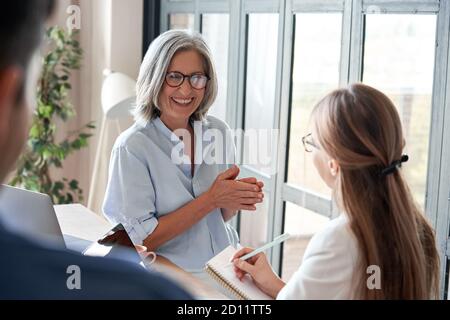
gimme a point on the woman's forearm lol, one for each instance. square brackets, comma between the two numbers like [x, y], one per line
[178, 221]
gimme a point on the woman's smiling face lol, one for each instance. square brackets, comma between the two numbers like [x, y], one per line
[181, 102]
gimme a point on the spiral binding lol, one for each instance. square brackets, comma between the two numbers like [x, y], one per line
[224, 283]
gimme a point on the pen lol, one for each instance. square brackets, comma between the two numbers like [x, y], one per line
[269, 245]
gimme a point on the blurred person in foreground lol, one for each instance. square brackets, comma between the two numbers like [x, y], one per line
[30, 270]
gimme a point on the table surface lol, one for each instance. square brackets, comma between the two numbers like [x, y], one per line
[81, 227]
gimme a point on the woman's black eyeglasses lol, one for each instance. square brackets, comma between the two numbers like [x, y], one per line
[176, 79]
[308, 143]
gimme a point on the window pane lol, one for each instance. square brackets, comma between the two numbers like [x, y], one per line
[262, 44]
[215, 29]
[315, 73]
[253, 227]
[301, 224]
[181, 21]
[399, 60]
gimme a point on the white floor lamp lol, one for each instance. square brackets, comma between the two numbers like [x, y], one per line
[118, 97]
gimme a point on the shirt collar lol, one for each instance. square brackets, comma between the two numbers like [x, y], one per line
[162, 128]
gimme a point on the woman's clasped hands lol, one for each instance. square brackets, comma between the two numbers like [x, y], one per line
[229, 193]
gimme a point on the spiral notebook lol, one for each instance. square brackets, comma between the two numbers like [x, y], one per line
[217, 268]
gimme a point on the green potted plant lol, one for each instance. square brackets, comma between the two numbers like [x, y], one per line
[44, 152]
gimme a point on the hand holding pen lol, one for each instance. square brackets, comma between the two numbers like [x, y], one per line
[258, 267]
[254, 252]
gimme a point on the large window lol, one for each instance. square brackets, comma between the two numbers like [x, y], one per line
[181, 21]
[301, 224]
[261, 57]
[253, 225]
[260, 91]
[399, 60]
[314, 74]
[215, 30]
[275, 60]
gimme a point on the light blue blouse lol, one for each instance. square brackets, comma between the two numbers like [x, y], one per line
[145, 184]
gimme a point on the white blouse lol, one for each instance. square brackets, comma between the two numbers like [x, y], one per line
[328, 266]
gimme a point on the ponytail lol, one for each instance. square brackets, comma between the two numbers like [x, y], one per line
[360, 128]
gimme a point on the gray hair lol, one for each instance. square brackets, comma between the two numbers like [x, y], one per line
[154, 68]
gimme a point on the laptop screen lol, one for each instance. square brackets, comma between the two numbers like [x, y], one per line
[30, 214]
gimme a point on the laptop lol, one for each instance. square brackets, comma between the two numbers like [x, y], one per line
[30, 214]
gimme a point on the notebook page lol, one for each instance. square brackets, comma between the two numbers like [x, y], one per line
[219, 262]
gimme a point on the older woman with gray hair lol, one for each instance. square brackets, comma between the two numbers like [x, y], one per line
[179, 209]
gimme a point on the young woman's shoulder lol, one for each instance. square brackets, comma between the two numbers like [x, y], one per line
[328, 265]
[336, 237]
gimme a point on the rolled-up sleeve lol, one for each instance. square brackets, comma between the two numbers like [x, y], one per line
[130, 195]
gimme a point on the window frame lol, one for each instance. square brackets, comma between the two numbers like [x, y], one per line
[289, 192]
[255, 7]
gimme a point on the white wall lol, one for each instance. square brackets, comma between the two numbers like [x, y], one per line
[111, 37]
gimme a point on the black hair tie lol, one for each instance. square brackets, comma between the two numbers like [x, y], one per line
[394, 166]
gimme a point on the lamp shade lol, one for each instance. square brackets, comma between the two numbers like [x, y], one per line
[118, 95]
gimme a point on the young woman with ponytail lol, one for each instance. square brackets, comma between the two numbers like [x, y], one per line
[357, 145]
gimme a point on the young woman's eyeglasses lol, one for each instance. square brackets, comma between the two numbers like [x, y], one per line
[176, 79]
[308, 143]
